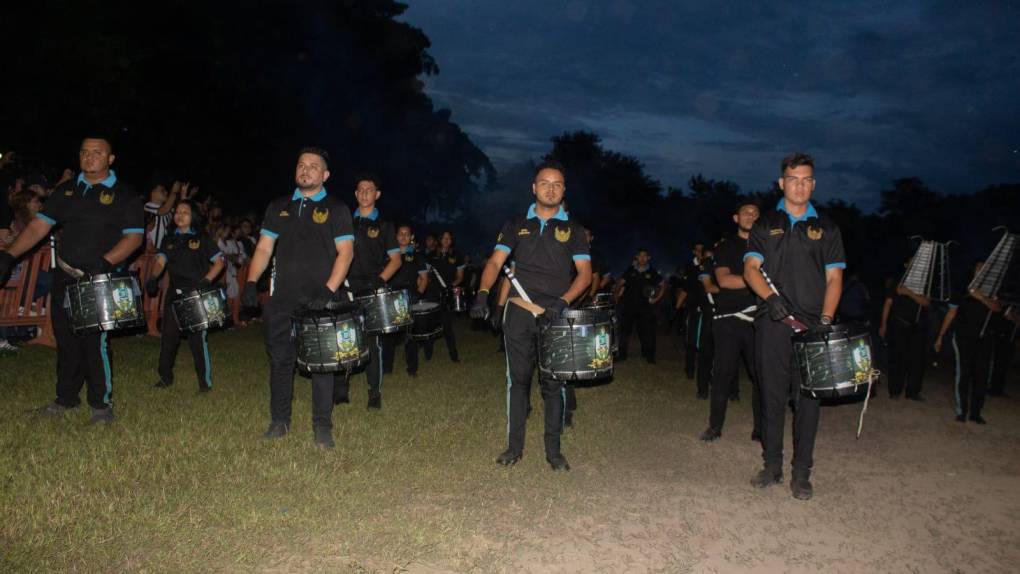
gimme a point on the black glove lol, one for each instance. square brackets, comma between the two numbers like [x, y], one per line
[497, 318]
[480, 308]
[321, 299]
[250, 295]
[203, 283]
[376, 282]
[6, 263]
[98, 266]
[777, 308]
[555, 309]
[152, 287]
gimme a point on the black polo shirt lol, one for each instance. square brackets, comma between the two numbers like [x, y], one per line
[730, 254]
[795, 253]
[640, 284]
[544, 252]
[306, 231]
[375, 240]
[972, 316]
[187, 256]
[93, 217]
[446, 264]
[412, 264]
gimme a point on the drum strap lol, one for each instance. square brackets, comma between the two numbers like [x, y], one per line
[742, 314]
[438, 276]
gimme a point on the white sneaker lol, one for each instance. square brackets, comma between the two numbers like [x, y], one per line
[5, 346]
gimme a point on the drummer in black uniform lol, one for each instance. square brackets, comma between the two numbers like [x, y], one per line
[448, 264]
[639, 289]
[413, 275]
[547, 247]
[732, 327]
[314, 241]
[193, 260]
[802, 253]
[103, 221]
[376, 260]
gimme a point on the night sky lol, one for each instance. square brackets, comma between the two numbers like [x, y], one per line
[874, 90]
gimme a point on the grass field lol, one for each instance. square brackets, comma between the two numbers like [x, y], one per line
[182, 483]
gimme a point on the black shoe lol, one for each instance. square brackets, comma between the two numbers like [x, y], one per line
[961, 418]
[977, 419]
[756, 436]
[702, 395]
[508, 458]
[162, 385]
[710, 435]
[558, 462]
[388, 371]
[650, 361]
[801, 488]
[102, 416]
[917, 398]
[735, 399]
[53, 409]
[375, 402]
[894, 397]
[767, 477]
[340, 398]
[412, 374]
[276, 430]
[204, 389]
[324, 437]
[455, 359]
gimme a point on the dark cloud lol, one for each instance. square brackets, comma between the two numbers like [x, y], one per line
[875, 90]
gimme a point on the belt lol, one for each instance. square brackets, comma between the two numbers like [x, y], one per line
[742, 314]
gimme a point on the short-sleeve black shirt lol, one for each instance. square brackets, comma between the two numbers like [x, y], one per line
[796, 254]
[93, 217]
[640, 285]
[374, 240]
[544, 253]
[412, 264]
[972, 316]
[188, 257]
[306, 231]
[447, 264]
[730, 254]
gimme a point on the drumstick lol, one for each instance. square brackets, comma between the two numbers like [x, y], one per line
[517, 284]
[790, 320]
[523, 301]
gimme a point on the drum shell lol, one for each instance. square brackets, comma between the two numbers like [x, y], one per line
[198, 311]
[453, 298]
[835, 363]
[427, 321]
[576, 346]
[329, 341]
[385, 311]
[105, 302]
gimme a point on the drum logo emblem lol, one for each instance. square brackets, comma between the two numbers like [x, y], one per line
[602, 356]
[106, 197]
[346, 342]
[320, 214]
[814, 234]
[194, 244]
[123, 302]
[562, 235]
[401, 313]
[861, 362]
[213, 308]
[373, 232]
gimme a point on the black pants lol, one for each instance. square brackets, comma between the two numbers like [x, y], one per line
[973, 362]
[906, 357]
[81, 360]
[734, 343]
[520, 331]
[373, 370]
[390, 343]
[170, 340]
[700, 350]
[778, 378]
[282, 357]
[448, 334]
[644, 317]
[1002, 358]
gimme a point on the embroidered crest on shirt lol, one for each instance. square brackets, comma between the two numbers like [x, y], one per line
[69, 193]
[106, 196]
[372, 232]
[523, 231]
[814, 233]
[320, 214]
[779, 231]
[562, 235]
[194, 244]
[452, 260]
[284, 213]
[499, 237]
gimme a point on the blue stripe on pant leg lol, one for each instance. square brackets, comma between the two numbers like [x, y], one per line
[208, 363]
[956, 385]
[506, 357]
[378, 346]
[106, 368]
[563, 412]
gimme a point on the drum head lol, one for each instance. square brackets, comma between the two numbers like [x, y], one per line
[424, 307]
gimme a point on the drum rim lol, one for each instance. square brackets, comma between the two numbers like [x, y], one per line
[837, 332]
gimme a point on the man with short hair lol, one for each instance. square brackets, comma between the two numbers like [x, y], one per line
[102, 224]
[413, 276]
[639, 289]
[313, 238]
[802, 253]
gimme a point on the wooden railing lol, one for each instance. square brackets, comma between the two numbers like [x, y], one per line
[18, 305]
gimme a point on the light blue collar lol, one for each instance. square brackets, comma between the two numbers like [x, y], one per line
[407, 250]
[642, 269]
[110, 180]
[178, 231]
[807, 214]
[561, 214]
[298, 196]
[373, 216]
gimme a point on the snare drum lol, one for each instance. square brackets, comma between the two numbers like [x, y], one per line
[835, 362]
[428, 321]
[453, 297]
[576, 346]
[329, 341]
[603, 302]
[385, 311]
[200, 310]
[104, 302]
